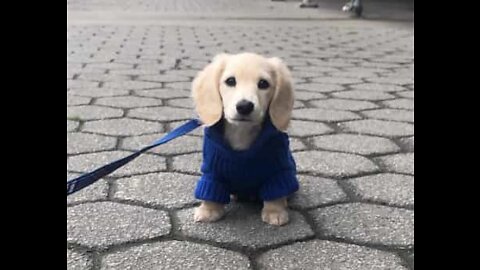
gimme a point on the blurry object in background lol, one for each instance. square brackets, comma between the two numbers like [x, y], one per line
[309, 4]
[355, 7]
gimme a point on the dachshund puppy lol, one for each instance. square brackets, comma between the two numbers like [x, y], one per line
[245, 102]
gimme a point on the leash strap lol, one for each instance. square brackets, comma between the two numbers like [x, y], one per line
[87, 179]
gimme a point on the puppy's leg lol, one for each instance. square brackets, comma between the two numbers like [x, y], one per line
[209, 212]
[275, 212]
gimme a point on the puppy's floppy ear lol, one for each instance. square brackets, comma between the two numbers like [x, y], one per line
[281, 105]
[206, 93]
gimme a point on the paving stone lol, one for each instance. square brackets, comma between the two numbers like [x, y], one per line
[145, 163]
[109, 65]
[164, 78]
[74, 100]
[307, 96]
[353, 74]
[81, 84]
[403, 103]
[411, 260]
[162, 113]
[102, 77]
[366, 223]
[91, 112]
[335, 80]
[243, 226]
[378, 87]
[181, 102]
[300, 128]
[135, 72]
[318, 254]
[97, 191]
[401, 163]
[408, 143]
[343, 104]
[171, 190]
[78, 143]
[391, 114]
[78, 261]
[378, 127]
[406, 94]
[72, 125]
[297, 145]
[386, 188]
[175, 255]
[182, 145]
[363, 95]
[98, 92]
[315, 192]
[164, 93]
[323, 115]
[319, 87]
[297, 105]
[122, 127]
[128, 102]
[179, 85]
[391, 80]
[190, 163]
[103, 224]
[333, 164]
[357, 144]
[132, 85]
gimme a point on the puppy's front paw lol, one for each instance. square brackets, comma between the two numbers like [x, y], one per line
[277, 217]
[208, 214]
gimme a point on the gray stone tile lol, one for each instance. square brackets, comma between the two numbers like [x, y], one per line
[175, 255]
[363, 95]
[170, 190]
[78, 143]
[323, 115]
[403, 103]
[90, 112]
[162, 113]
[72, 125]
[333, 164]
[391, 114]
[243, 226]
[122, 127]
[78, 261]
[367, 223]
[128, 102]
[386, 188]
[344, 104]
[357, 144]
[145, 163]
[315, 192]
[401, 163]
[300, 128]
[378, 127]
[318, 254]
[103, 224]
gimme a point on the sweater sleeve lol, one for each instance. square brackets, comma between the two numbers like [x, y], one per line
[210, 190]
[282, 184]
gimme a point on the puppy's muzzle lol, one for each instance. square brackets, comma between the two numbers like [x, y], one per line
[245, 107]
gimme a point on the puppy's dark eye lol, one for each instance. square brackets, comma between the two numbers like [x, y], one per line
[263, 84]
[231, 81]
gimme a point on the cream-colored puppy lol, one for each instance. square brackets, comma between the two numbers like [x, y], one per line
[242, 89]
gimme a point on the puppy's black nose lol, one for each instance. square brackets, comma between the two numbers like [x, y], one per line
[244, 107]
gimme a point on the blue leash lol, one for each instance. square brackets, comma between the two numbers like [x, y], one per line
[87, 179]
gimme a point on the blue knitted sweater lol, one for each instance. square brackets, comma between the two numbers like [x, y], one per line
[265, 171]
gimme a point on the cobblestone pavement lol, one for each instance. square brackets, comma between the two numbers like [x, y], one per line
[128, 82]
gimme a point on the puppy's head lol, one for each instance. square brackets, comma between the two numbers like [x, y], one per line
[243, 88]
